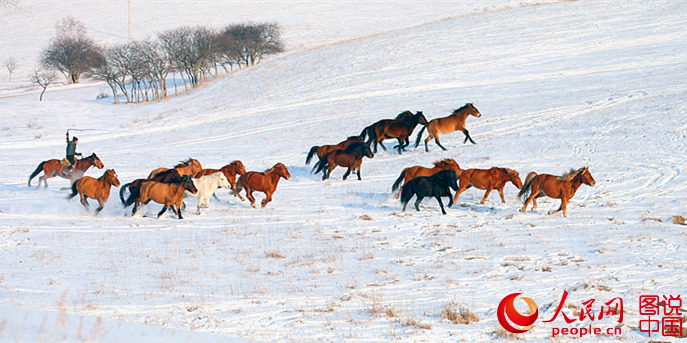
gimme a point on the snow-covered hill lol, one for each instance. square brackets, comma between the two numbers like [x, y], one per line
[559, 85]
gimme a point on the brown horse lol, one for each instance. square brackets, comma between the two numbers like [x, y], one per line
[324, 149]
[489, 179]
[52, 168]
[401, 129]
[135, 186]
[98, 189]
[265, 182]
[412, 172]
[370, 130]
[189, 167]
[169, 194]
[558, 187]
[454, 122]
[351, 158]
[230, 171]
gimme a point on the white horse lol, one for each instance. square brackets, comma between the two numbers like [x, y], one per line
[207, 185]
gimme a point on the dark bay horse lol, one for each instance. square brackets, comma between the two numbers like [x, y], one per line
[168, 194]
[351, 158]
[370, 130]
[189, 167]
[401, 129]
[454, 122]
[52, 168]
[558, 187]
[324, 149]
[412, 172]
[265, 182]
[489, 179]
[436, 186]
[98, 189]
[230, 171]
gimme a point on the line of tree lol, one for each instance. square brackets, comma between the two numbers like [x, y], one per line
[140, 69]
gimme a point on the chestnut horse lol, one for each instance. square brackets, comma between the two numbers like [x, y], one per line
[230, 171]
[189, 167]
[169, 194]
[412, 172]
[135, 186]
[351, 158]
[52, 168]
[489, 179]
[401, 129]
[98, 189]
[265, 182]
[454, 122]
[324, 149]
[558, 187]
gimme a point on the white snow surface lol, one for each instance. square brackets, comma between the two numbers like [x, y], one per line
[560, 85]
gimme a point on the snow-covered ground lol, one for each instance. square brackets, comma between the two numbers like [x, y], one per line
[560, 85]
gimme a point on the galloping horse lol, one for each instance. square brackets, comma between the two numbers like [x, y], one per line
[135, 186]
[489, 179]
[436, 185]
[401, 129]
[230, 171]
[412, 172]
[558, 187]
[370, 130]
[351, 157]
[52, 168]
[265, 182]
[169, 194]
[98, 189]
[206, 186]
[454, 122]
[189, 167]
[324, 149]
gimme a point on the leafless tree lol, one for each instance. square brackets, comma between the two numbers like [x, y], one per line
[43, 78]
[11, 64]
[71, 56]
[254, 41]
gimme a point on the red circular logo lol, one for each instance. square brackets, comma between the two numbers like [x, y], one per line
[507, 314]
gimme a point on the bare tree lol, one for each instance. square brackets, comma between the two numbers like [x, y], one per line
[11, 64]
[43, 78]
[254, 41]
[71, 56]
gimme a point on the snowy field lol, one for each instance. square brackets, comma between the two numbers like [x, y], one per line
[560, 85]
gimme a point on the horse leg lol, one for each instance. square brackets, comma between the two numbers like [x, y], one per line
[268, 198]
[359, 178]
[429, 138]
[164, 209]
[198, 205]
[249, 196]
[441, 204]
[486, 195]
[439, 143]
[503, 199]
[459, 192]
[84, 202]
[348, 172]
[450, 200]
[178, 211]
[467, 136]
[100, 207]
[381, 143]
[400, 145]
[418, 201]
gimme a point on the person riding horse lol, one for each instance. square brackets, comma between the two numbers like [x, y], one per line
[71, 152]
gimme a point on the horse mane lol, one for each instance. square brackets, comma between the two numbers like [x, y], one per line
[404, 114]
[184, 163]
[272, 170]
[353, 138]
[441, 163]
[570, 174]
[463, 108]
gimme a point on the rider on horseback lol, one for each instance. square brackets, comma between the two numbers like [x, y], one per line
[71, 152]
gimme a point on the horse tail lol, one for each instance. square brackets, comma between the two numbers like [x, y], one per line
[134, 196]
[312, 153]
[238, 188]
[406, 194]
[362, 134]
[400, 179]
[36, 172]
[74, 191]
[122, 190]
[525, 190]
[321, 164]
[419, 136]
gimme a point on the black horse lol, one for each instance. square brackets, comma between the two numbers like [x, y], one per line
[436, 185]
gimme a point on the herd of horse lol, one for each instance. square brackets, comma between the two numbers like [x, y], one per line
[169, 186]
